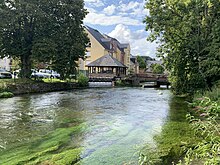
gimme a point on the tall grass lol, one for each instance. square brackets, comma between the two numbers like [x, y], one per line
[213, 94]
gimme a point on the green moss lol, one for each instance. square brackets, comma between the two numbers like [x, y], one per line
[49, 148]
[169, 144]
[68, 157]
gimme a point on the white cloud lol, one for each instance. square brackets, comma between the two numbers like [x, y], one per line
[96, 3]
[133, 9]
[124, 34]
[139, 12]
[130, 6]
[123, 15]
[144, 47]
[109, 10]
[103, 19]
[131, 13]
[137, 40]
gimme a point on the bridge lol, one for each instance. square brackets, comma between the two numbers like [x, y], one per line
[152, 80]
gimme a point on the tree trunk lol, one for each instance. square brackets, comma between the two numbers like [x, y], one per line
[25, 66]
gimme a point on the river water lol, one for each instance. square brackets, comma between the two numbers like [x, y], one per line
[117, 122]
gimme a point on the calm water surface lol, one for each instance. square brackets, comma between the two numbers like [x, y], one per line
[119, 121]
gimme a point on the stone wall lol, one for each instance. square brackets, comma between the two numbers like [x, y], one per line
[40, 87]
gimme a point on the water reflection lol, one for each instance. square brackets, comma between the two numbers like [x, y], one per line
[119, 120]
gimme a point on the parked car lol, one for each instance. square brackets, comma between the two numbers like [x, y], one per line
[44, 73]
[52, 73]
[15, 74]
[5, 74]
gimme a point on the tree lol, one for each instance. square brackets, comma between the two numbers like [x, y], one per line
[141, 62]
[157, 68]
[183, 28]
[42, 30]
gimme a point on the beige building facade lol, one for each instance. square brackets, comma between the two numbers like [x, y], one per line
[101, 45]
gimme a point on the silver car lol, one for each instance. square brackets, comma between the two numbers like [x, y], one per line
[5, 74]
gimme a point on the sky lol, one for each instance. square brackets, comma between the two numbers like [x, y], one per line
[123, 20]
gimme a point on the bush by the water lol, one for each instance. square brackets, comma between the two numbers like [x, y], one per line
[83, 80]
[205, 123]
[6, 95]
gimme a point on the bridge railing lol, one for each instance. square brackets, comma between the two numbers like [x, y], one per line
[147, 75]
[105, 75]
[101, 75]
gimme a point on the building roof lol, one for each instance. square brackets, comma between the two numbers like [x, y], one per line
[106, 40]
[99, 37]
[107, 61]
[150, 62]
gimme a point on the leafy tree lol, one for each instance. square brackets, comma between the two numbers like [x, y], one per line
[41, 30]
[141, 62]
[157, 68]
[186, 30]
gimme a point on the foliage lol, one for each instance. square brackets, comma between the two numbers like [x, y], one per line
[213, 94]
[43, 31]
[187, 31]
[6, 95]
[141, 62]
[205, 124]
[121, 83]
[157, 68]
[83, 80]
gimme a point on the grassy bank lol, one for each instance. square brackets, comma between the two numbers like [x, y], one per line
[11, 87]
[195, 141]
[175, 134]
[204, 119]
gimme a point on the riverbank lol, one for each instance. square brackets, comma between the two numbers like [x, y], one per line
[17, 87]
[193, 141]
[204, 119]
[174, 135]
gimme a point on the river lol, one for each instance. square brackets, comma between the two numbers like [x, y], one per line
[106, 125]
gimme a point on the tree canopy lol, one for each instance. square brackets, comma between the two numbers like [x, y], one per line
[157, 68]
[188, 31]
[141, 62]
[43, 31]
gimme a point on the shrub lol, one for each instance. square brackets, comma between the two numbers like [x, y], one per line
[6, 95]
[205, 123]
[83, 80]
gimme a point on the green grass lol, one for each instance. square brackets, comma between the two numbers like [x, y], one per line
[213, 94]
[52, 80]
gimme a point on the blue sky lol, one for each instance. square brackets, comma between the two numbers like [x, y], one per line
[123, 20]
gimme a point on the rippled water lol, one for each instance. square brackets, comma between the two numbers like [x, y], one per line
[120, 121]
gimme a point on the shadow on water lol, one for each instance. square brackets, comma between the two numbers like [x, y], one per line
[90, 126]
